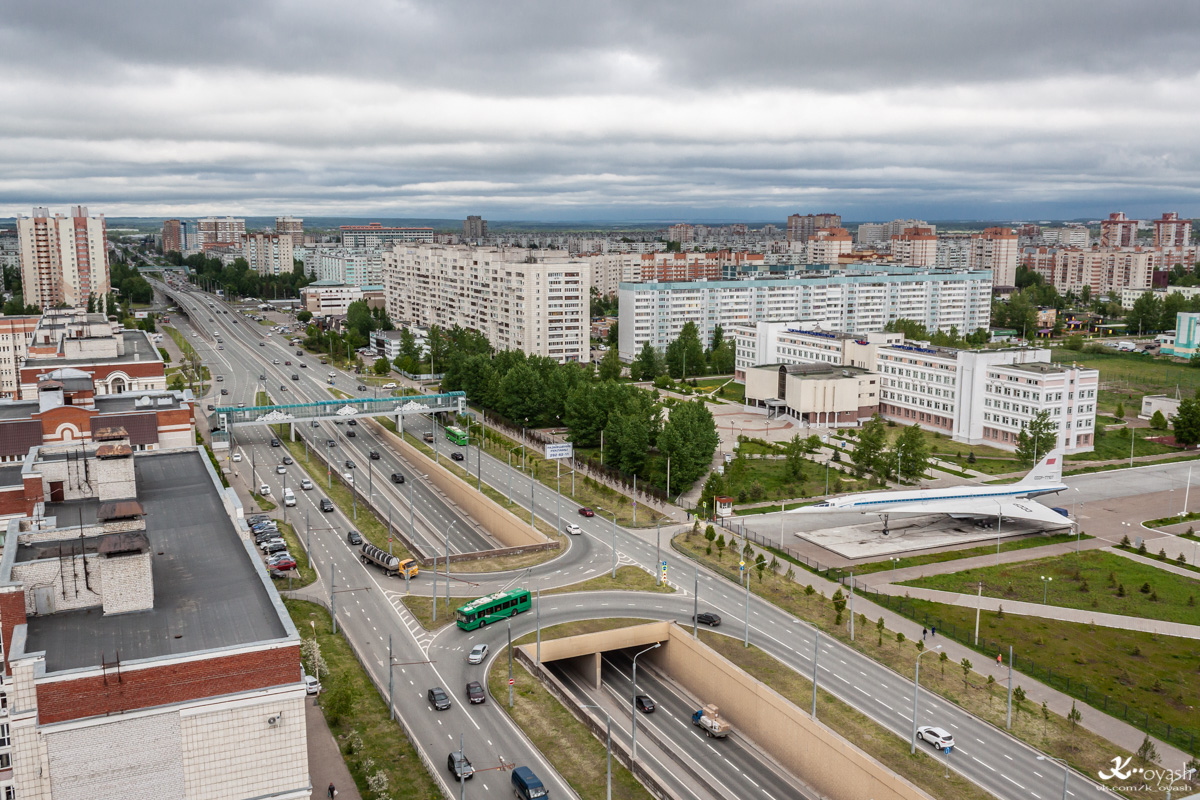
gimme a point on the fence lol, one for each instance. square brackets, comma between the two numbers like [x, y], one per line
[737, 526]
[1182, 738]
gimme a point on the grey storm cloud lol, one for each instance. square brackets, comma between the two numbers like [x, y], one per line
[601, 110]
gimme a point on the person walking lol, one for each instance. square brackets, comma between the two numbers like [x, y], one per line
[933, 631]
[999, 660]
[332, 791]
[924, 633]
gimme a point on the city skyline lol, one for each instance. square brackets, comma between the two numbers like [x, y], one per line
[631, 114]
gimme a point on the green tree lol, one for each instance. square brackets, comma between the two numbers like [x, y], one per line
[648, 365]
[1145, 314]
[1186, 422]
[381, 367]
[1158, 422]
[868, 450]
[685, 355]
[612, 339]
[839, 605]
[689, 437]
[911, 452]
[1172, 305]
[1036, 439]
[610, 366]
[1120, 412]
[795, 452]
[304, 316]
[360, 319]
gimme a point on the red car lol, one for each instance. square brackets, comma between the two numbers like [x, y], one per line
[586, 512]
[283, 563]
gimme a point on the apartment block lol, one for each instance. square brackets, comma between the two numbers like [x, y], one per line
[682, 233]
[859, 299]
[1103, 269]
[610, 269]
[351, 267]
[1171, 231]
[376, 237]
[268, 253]
[130, 673]
[519, 299]
[916, 247]
[1069, 236]
[1118, 231]
[15, 334]
[474, 228]
[221, 232]
[987, 396]
[801, 228]
[996, 250]
[64, 259]
[172, 236]
[827, 245]
[293, 227]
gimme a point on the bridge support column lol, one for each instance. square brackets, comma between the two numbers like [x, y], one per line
[596, 671]
[292, 430]
[400, 423]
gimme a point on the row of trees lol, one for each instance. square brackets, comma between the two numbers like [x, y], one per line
[907, 457]
[952, 338]
[685, 356]
[238, 279]
[1149, 313]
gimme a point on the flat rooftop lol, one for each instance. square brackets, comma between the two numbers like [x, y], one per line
[1038, 367]
[137, 348]
[207, 590]
[10, 474]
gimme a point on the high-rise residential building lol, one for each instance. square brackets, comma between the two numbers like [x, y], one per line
[268, 253]
[681, 232]
[859, 299]
[526, 300]
[474, 228]
[350, 267]
[172, 236]
[997, 250]
[64, 260]
[898, 226]
[1118, 231]
[293, 227]
[916, 247]
[376, 236]
[1171, 231]
[1069, 236]
[800, 228]
[870, 234]
[221, 232]
[827, 244]
[15, 334]
[1101, 269]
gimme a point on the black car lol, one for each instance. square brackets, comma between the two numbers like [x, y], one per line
[299, 352]
[295, 377]
[288, 460]
[438, 699]
[352, 422]
[256, 518]
[326, 504]
[211, 407]
[456, 456]
[351, 434]
[278, 547]
[644, 703]
[224, 392]
[459, 766]
[708, 618]
[475, 693]
[353, 537]
[330, 443]
[349, 464]
[262, 377]
[360, 388]
[274, 443]
[397, 477]
[374, 455]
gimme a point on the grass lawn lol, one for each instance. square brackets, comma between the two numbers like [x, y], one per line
[1139, 673]
[263, 503]
[922, 769]
[368, 740]
[733, 392]
[566, 742]
[1181, 559]
[970, 552]
[1094, 579]
[1086, 751]
[304, 573]
[776, 482]
[1115, 444]
[1128, 376]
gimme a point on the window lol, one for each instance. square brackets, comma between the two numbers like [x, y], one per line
[5, 741]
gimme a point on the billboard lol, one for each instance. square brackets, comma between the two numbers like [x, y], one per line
[556, 451]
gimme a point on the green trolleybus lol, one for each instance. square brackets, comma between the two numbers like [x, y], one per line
[493, 608]
[456, 435]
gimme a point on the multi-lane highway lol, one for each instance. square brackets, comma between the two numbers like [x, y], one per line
[996, 761]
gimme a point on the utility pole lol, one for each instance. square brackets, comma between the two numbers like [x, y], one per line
[1008, 719]
[695, 601]
[332, 598]
[658, 554]
[816, 653]
[510, 677]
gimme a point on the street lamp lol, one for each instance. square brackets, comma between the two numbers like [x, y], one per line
[608, 736]
[633, 736]
[614, 539]
[1066, 771]
[916, 690]
[895, 560]
[1045, 587]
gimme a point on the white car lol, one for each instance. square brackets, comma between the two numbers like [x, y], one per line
[237, 456]
[389, 386]
[938, 737]
[348, 478]
[264, 490]
[573, 529]
[311, 685]
[478, 654]
[281, 469]
[306, 484]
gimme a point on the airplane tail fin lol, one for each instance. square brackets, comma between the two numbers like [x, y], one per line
[1048, 471]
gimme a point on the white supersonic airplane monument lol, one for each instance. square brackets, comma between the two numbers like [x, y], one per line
[1014, 501]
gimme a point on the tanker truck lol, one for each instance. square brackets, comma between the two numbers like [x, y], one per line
[391, 565]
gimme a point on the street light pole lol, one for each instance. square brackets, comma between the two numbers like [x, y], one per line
[1045, 587]
[1066, 771]
[608, 738]
[633, 736]
[816, 653]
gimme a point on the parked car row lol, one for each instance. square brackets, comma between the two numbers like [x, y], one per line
[270, 541]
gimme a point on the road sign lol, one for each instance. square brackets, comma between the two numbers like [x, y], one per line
[556, 451]
[511, 681]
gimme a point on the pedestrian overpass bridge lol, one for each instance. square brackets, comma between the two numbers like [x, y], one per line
[224, 418]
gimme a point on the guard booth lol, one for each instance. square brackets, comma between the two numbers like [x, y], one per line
[724, 506]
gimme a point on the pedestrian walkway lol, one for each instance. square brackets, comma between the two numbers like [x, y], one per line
[1060, 613]
[976, 562]
[1168, 566]
[1120, 733]
[325, 762]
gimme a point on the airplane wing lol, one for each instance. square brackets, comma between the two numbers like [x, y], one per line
[1009, 508]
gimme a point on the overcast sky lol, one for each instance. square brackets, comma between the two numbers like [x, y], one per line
[602, 110]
